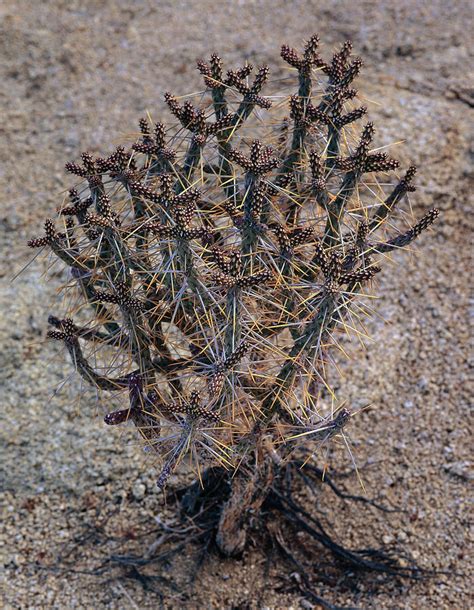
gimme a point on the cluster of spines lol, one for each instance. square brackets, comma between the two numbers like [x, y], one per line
[66, 330]
[231, 271]
[406, 238]
[364, 161]
[194, 120]
[308, 60]
[290, 238]
[50, 235]
[77, 205]
[154, 144]
[340, 74]
[305, 113]
[259, 162]
[237, 79]
[121, 296]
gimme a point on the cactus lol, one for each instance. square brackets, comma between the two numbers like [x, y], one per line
[218, 262]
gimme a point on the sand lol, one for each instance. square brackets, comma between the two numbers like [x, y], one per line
[77, 76]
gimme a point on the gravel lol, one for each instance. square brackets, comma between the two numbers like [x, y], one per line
[77, 76]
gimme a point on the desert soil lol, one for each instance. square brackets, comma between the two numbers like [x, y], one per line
[76, 75]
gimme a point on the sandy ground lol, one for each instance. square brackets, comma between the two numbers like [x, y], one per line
[77, 76]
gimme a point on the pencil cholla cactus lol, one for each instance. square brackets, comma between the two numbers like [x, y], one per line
[214, 264]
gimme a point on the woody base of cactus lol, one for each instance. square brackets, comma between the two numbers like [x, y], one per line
[278, 519]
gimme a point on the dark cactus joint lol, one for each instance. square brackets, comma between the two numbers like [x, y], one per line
[217, 265]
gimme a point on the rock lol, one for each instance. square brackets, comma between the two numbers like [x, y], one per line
[138, 490]
[460, 469]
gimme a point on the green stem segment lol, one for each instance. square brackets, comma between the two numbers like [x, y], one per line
[313, 334]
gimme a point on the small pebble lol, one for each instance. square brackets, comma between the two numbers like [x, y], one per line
[138, 491]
